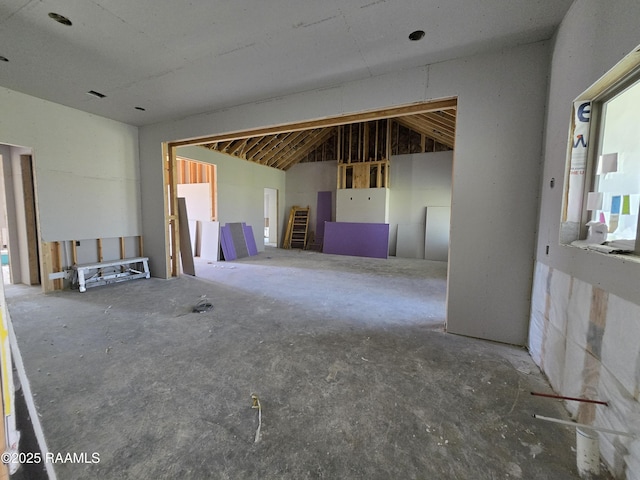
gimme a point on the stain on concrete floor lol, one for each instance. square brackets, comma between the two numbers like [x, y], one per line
[350, 387]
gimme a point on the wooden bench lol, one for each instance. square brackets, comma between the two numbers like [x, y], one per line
[126, 272]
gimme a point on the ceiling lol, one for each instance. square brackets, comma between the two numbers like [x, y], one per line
[174, 59]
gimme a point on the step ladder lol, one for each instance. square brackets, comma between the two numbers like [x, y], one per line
[297, 228]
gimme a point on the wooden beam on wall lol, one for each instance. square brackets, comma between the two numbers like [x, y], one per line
[172, 240]
[445, 104]
[28, 190]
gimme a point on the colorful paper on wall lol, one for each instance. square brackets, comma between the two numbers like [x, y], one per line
[594, 201]
[608, 163]
[626, 205]
[615, 204]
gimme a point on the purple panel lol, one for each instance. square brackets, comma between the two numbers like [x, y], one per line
[323, 214]
[358, 239]
[250, 239]
[226, 242]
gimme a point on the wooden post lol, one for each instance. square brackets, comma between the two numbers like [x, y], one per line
[74, 253]
[47, 266]
[376, 143]
[57, 265]
[172, 239]
[388, 150]
[211, 169]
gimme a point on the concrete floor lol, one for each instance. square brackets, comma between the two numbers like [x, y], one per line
[348, 356]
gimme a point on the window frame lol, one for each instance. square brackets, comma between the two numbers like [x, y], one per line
[625, 74]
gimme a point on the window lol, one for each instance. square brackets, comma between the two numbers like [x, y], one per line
[615, 196]
[602, 201]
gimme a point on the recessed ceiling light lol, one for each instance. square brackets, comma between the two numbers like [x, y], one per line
[93, 93]
[60, 19]
[417, 35]
[142, 109]
[3, 59]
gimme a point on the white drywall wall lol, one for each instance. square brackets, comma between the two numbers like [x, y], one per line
[501, 104]
[305, 180]
[86, 167]
[593, 37]
[362, 205]
[12, 222]
[240, 186]
[416, 181]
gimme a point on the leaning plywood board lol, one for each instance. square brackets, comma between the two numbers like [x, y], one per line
[186, 254]
[410, 242]
[209, 241]
[436, 244]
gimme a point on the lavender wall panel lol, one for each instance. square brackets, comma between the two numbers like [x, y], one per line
[226, 242]
[358, 239]
[250, 240]
[323, 214]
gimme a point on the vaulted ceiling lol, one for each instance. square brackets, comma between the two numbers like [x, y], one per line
[427, 131]
[150, 61]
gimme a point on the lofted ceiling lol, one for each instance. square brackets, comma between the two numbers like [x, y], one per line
[160, 60]
[413, 133]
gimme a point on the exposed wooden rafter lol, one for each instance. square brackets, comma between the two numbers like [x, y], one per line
[282, 147]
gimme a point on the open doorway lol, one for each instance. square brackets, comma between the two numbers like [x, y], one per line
[350, 140]
[196, 186]
[271, 217]
[18, 226]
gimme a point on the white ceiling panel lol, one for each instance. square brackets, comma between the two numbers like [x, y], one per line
[179, 58]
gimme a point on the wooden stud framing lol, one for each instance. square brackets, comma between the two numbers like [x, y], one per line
[361, 174]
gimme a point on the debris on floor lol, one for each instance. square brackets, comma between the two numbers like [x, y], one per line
[256, 405]
[202, 306]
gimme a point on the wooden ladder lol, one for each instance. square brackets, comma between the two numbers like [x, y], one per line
[297, 228]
